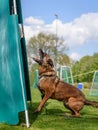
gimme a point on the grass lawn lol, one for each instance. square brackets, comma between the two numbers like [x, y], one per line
[54, 118]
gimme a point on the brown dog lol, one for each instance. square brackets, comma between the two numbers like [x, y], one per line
[51, 87]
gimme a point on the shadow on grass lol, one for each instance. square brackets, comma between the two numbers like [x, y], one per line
[32, 116]
[56, 117]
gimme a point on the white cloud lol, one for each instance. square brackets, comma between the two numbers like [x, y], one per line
[75, 56]
[76, 32]
[28, 32]
[31, 21]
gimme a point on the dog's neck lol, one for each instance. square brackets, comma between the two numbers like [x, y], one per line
[47, 74]
[44, 71]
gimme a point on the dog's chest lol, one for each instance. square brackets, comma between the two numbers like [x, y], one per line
[41, 80]
[44, 82]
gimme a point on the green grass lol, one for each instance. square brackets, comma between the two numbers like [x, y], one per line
[54, 118]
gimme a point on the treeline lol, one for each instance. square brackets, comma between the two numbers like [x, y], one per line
[84, 69]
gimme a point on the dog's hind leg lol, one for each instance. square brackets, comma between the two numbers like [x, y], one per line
[75, 105]
[67, 106]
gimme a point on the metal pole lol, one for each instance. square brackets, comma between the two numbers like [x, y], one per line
[15, 7]
[23, 95]
[56, 42]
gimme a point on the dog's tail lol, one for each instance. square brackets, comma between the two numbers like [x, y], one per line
[92, 103]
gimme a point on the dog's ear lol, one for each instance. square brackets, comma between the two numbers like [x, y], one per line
[37, 60]
[50, 62]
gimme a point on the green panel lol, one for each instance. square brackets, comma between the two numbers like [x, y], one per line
[11, 67]
[94, 87]
[66, 75]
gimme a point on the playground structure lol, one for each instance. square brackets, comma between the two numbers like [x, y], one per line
[65, 74]
[14, 76]
[94, 87]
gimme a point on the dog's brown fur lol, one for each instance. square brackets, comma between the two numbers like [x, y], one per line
[51, 87]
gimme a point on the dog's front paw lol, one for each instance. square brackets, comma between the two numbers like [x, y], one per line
[36, 112]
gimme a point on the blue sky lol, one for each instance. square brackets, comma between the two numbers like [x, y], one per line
[77, 22]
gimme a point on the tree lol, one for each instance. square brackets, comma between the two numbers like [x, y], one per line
[64, 60]
[85, 67]
[50, 43]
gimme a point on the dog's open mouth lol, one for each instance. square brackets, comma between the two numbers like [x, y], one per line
[39, 60]
[42, 54]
